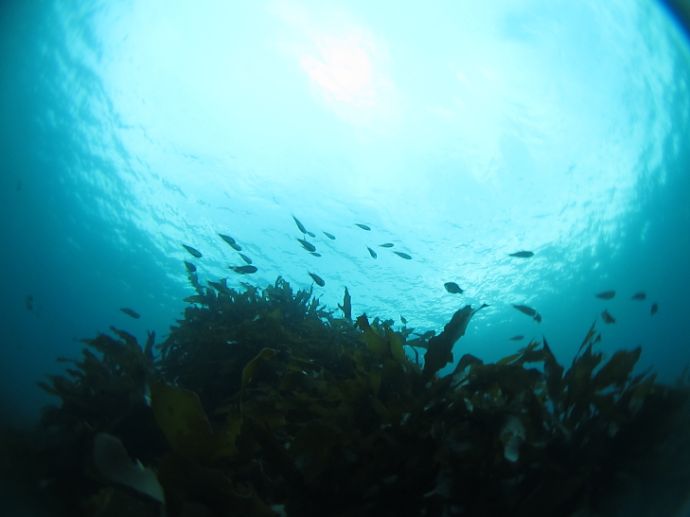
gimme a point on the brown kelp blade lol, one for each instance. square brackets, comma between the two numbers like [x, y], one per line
[589, 337]
[346, 307]
[439, 351]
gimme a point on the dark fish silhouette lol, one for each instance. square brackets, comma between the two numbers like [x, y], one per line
[245, 258]
[130, 312]
[453, 288]
[606, 295]
[522, 254]
[346, 307]
[654, 308]
[29, 302]
[329, 235]
[526, 310]
[232, 242]
[403, 320]
[372, 252]
[307, 245]
[606, 316]
[529, 311]
[244, 270]
[517, 338]
[190, 267]
[403, 255]
[193, 251]
[387, 245]
[319, 281]
[364, 226]
[316, 254]
[300, 226]
[640, 295]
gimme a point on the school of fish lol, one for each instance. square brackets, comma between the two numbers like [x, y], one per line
[248, 268]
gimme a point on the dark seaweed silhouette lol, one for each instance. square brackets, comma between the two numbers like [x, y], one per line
[263, 402]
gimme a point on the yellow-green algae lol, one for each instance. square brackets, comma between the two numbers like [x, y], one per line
[263, 402]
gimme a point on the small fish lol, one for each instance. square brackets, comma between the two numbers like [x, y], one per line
[387, 245]
[316, 254]
[640, 295]
[232, 242]
[244, 270]
[311, 234]
[522, 254]
[130, 312]
[191, 268]
[193, 251]
[519, 337]
[319, 281]
[329, 235]
[403, 255]
[606, 316]
[453, 288]
[537, 318]
[245, 258]
[346, 307]
[307, 245]
[372, 252]
[403, 319]
[606, 295]
[363, 226]
[654, 308]
[221, 286]
[29, 302]
[300, 226]
[526, 310]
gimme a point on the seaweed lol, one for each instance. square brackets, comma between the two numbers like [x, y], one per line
[263, 402]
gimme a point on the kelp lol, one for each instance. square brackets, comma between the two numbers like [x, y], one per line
[262, 402]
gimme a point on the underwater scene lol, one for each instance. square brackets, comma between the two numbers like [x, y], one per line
[345, 258]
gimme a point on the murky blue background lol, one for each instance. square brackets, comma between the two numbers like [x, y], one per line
[460, 134]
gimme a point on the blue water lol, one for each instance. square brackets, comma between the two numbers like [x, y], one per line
[460, 134]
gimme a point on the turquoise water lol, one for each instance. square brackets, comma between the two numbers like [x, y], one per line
[460, 135]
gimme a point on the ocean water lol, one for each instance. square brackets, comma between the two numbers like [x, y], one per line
[459, 132]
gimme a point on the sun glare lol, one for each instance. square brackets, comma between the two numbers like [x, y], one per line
[342, 71]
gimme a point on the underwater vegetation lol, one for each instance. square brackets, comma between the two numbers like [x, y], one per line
[263, 402]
